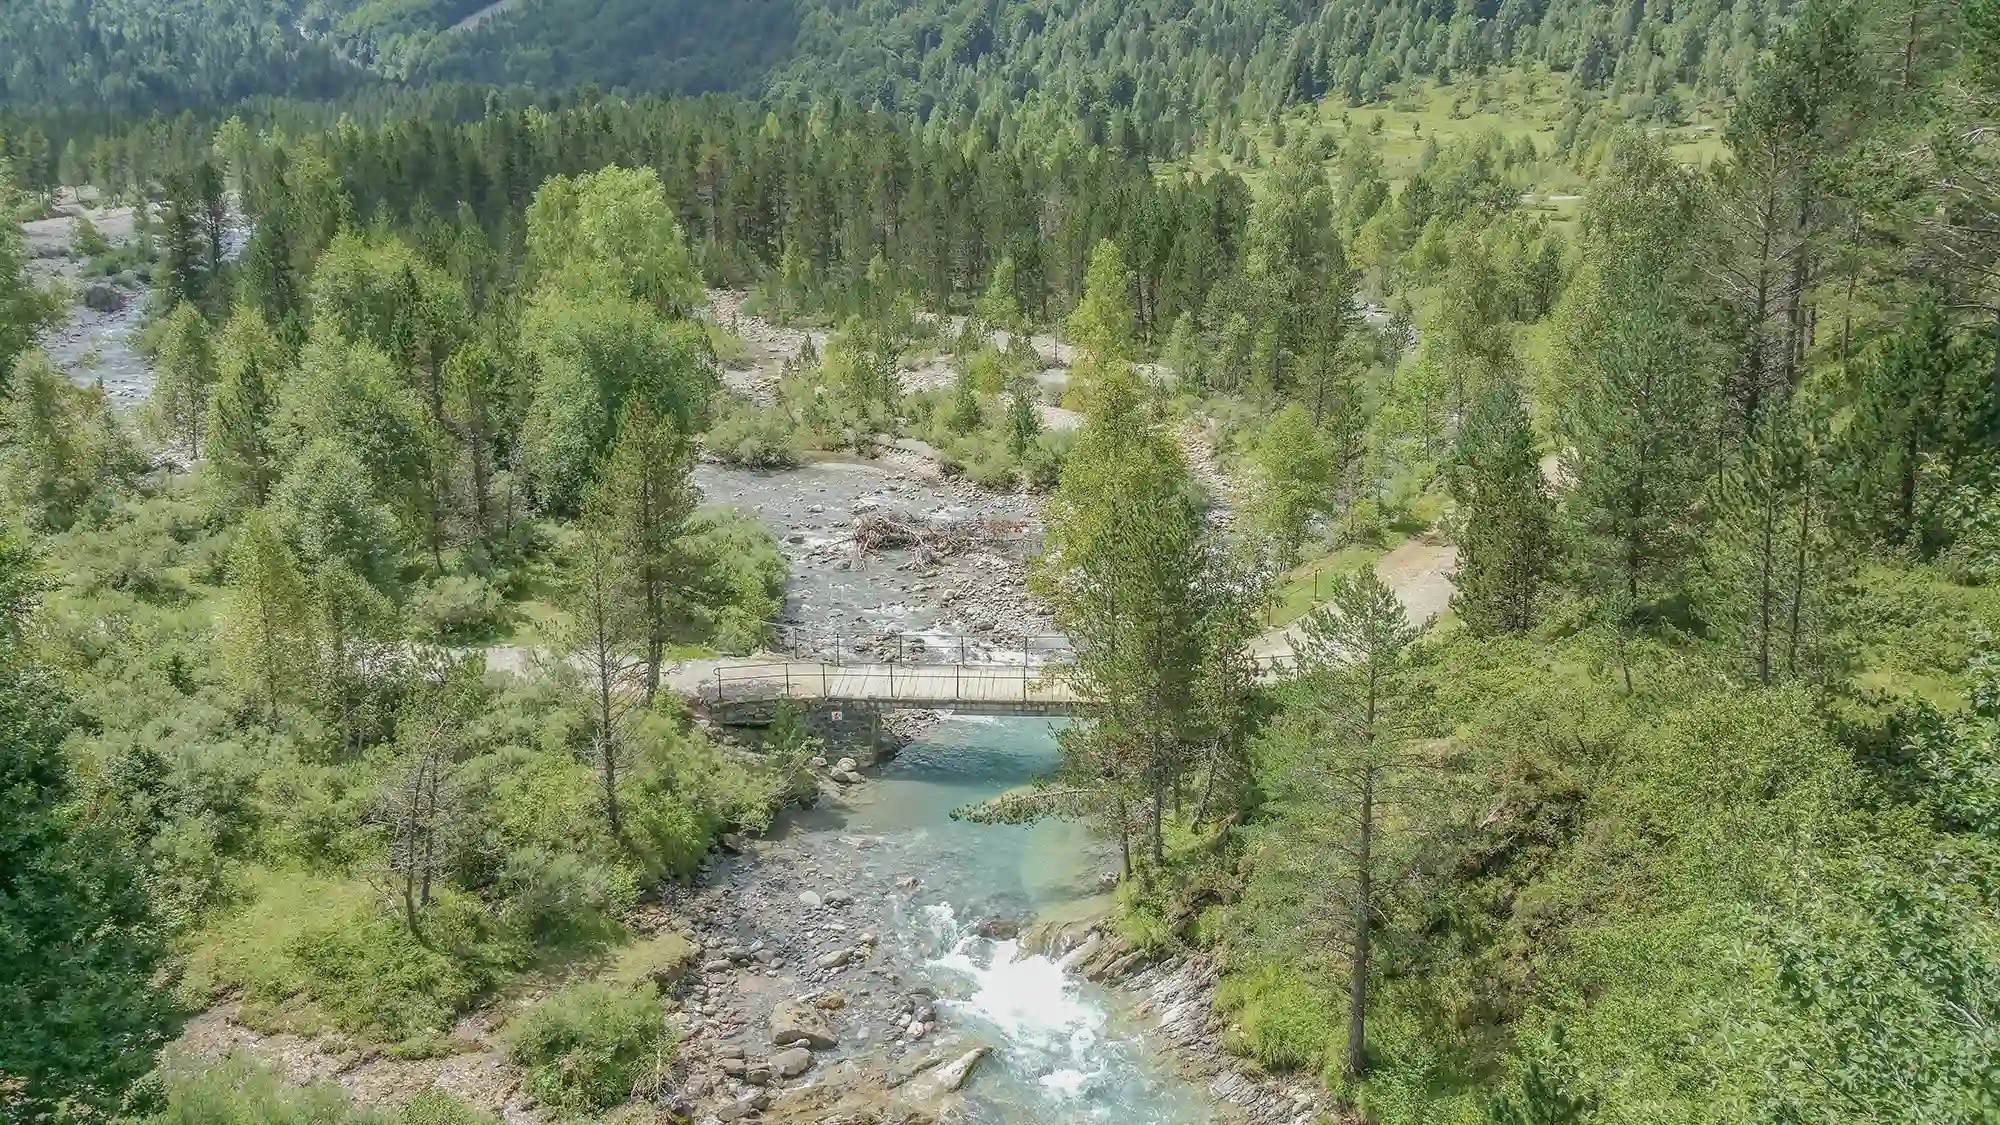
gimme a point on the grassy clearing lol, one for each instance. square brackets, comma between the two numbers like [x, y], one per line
[1510, 104]
[1299, 589]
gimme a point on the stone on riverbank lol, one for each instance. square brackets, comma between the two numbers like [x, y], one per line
[792, 1022]
[791, 1062]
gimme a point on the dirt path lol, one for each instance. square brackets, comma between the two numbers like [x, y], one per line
[1419, 571]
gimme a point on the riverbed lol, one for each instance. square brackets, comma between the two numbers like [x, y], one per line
[886, 859]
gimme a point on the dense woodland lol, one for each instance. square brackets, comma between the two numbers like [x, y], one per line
[1688, 810]
[1157, 77]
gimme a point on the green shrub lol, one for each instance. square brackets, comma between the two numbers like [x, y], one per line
[458, 606]
[740, 551]
[1282, 1021]
[310, 953]
[587, 1047]
[564, 900]
[755, 438]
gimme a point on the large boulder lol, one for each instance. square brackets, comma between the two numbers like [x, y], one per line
[792, 1023]
[103, 298]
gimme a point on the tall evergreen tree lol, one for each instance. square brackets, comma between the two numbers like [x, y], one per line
[1506, 539]
[1370, 787]
[242, 462]
[185, 374]
[1642, 377]
[265, 633]
[644, 497]
[1123, 570]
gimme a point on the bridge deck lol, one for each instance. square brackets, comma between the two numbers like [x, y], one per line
[1013, 687]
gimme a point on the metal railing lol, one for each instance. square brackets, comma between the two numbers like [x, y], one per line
[887, 683]
[941, 684]
[843, 647]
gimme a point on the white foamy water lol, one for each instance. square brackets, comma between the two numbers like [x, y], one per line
[1048, 1030]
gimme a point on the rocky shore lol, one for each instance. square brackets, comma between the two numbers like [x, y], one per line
[1176, 997]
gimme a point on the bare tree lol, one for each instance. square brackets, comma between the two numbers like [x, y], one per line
[431, 736]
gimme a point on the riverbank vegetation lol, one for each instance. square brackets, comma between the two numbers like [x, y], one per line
[1683, 812]
[262, 746]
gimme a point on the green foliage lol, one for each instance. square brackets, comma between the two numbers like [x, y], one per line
[185, 371]
[612, 233]
[242, 465]
[754, 437]
[310, 953]
[1643, 400]
[1300, 470]
[587, 1047]
[80, 946]
[65, 451]
[589, 355]
[1507, 543]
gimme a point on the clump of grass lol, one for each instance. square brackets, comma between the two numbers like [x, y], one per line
[586, 1048]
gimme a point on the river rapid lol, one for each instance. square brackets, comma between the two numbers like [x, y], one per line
[1065, 1050]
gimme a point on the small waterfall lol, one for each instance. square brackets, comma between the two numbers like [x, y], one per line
[1050, 1031]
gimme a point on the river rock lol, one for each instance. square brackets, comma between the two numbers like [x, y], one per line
[737, 1110]
[847, 765]
[834, 959]
[809, 900]
[952, 1075]
[103, 298]
[792, 1023]
[999, 929]
[791, 1062]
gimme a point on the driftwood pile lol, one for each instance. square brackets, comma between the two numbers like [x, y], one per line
[932, 540]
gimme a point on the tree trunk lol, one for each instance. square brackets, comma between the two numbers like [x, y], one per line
[1357, 985]
[1798, 586]
[1124, 838]
[1766, 580]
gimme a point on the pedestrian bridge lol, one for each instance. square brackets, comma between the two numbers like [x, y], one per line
[733, 686]
[1015, 689]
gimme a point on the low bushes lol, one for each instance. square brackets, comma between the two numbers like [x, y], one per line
[588, 1047]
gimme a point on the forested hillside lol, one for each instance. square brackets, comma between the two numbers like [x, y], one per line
[1158, 77]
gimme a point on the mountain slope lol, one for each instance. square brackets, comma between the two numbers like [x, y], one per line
[1148, 73]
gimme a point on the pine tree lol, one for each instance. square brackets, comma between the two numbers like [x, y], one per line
[1372, 791]
[242, 464]
[478, 394]
[643, 499]
[1922, 407]
[1639, 408]
[1506, 540]
[1775, 565]
[1123, 570]
[1103, 325]
[604, 642]
[265, 635]
[185, 373]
